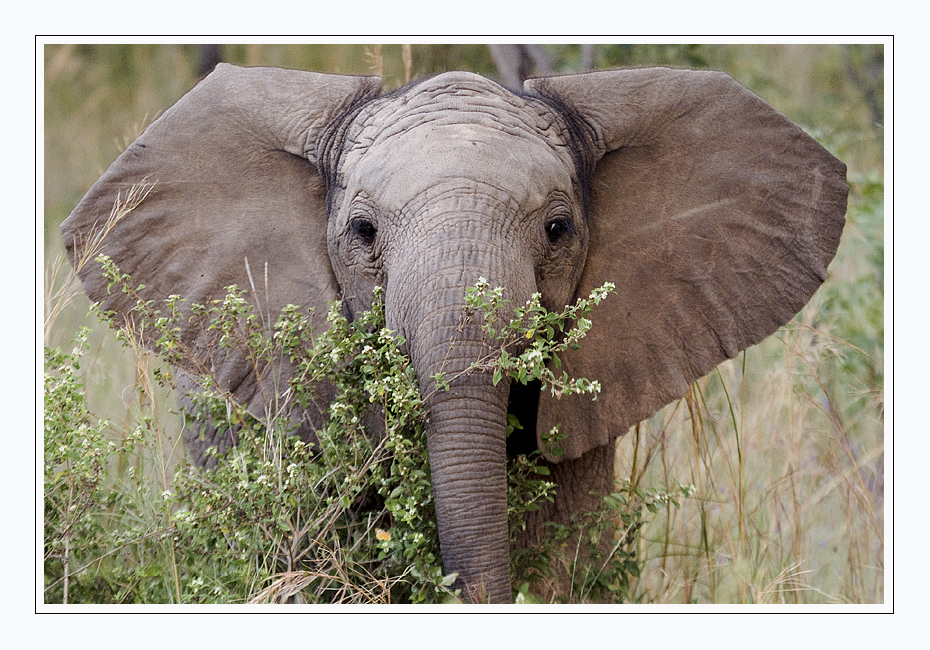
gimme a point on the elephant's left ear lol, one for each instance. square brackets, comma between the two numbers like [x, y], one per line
[716, 218]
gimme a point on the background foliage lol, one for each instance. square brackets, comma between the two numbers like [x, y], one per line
[784, 444]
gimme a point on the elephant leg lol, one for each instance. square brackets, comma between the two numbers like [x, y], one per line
[581, 485]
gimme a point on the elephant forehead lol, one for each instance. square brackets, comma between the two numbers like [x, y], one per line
[515, 157]
[456, 98]
[526, 170]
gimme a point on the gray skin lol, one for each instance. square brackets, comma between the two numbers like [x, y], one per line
[714, 215]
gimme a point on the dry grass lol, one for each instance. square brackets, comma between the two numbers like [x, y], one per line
[787, 508]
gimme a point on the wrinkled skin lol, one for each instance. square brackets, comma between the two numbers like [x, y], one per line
[714, 215]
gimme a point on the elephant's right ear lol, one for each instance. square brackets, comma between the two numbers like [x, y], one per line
[714, 215]
[228, 174]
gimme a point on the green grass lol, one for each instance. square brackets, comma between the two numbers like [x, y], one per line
[784, 445]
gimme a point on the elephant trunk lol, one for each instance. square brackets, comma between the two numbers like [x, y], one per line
[466, 432]
[468, 460]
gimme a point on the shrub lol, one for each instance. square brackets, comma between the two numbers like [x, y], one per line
[351, 521]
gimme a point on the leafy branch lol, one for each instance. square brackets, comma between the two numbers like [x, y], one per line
[526, 346]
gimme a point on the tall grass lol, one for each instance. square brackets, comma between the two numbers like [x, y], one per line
[787, 508]
[784, 444]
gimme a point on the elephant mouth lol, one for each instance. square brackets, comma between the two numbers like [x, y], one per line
[523, 405]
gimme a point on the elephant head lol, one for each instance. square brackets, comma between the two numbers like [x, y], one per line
[713, 215]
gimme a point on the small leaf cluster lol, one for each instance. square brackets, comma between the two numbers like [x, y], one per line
[527, 346]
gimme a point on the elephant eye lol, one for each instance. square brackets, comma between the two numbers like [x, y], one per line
[365, 230]
[558, 228]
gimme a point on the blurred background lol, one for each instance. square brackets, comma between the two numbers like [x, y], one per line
[785, 444]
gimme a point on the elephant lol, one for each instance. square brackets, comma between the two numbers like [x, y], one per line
[713, 214]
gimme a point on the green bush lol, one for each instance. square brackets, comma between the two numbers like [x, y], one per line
[280, 521]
